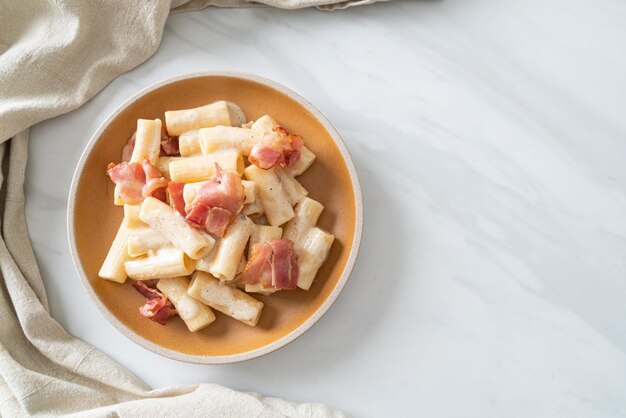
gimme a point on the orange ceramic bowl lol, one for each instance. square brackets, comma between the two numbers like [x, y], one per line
[332, 180]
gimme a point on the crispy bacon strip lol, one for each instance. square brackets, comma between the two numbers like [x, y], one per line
[284, 264]
[272, 263]
[279, 148]
[148, 292]
[157, 308]
[137, 181]
[177, 201]
[217, 220]
[154, 181]
[216, 202]
[260, 259]
[131, 178]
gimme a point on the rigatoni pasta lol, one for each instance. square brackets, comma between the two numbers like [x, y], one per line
[163, 165]
[312, 255]
[183, 236]
[307, 212]
[264, 125]
[196, 315]
[143, 240]
[201, 168]
[276, 205]
[306, 159]
[215, 199]
[224, 298]
[147, 141]
[294, 191]
[230, 249]
[113, 266]
[189, 144]
[181, 121]
[227, 137]
[166, 262]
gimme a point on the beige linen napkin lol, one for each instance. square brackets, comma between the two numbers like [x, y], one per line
[54, 56]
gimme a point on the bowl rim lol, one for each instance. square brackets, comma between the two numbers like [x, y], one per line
[265, 349]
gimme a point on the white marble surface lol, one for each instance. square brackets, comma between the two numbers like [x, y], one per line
[490, 140]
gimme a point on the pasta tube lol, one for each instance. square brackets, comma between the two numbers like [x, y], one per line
[252, 205]
[204, 264]
[276, 205]
[131, 215]
[230, 249]
[312, 255]
[226, 299]
[117, 198]
[190, 190]
[168, 222]
[180, 121]
[306, 159]
[236, 114]
[113, 265]
[242, 264]
[195, 314]
[189, 144]
[264, 125]
[163, 165]
[262, 233]
[307, 212]
[219, 138]
[255, 208]
[292, 187]
[145, 240]
[167, 262]
[201, 168]
[249, 190]
[147, 141]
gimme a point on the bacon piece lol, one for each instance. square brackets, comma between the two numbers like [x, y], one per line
[272, 263]
[151, 171]
[160, 194]
[196, 215]
[169, 144]
[279, 148]
[130, 178]
[127, 151]
[260, 257]
[137, 181]
[224, 192]
[214, 220]
[217, 220]
[155, 183]
[158, 308]
[284, 264]
[149, 292]
[177, 201]
[232, 190]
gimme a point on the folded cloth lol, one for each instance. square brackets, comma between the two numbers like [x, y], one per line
[54, 56]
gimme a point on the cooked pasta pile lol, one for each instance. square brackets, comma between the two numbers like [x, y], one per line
[213, 212]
